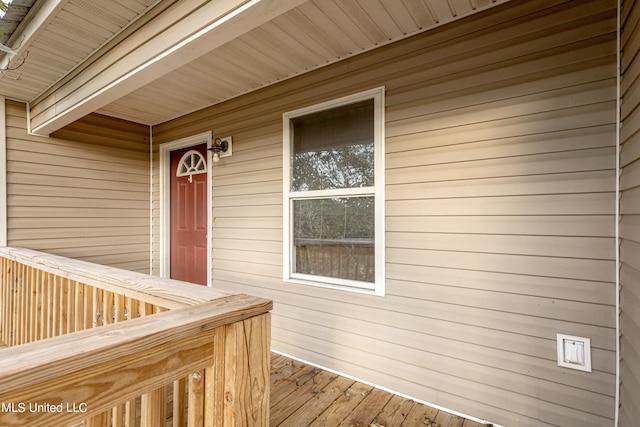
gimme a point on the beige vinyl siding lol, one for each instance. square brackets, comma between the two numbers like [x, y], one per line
[81, 193]
[500, 204]
[630, 218]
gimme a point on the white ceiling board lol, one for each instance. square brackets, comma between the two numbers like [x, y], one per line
[312, 35]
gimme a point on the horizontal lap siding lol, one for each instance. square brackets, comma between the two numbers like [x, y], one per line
[81, 193]
[500, 204]
[630, 220]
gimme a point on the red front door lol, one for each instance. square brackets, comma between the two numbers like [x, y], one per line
[189, 214]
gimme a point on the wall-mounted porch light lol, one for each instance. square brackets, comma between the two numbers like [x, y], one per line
[221, 147]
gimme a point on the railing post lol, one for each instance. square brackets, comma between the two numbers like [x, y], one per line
[239, 395]
[179, 407]
[195, 417]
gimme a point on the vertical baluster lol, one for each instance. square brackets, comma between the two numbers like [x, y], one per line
[71, 306]
[19, 305]
[117, 416]
[87, 321]
[135, 309]
[97, 308]
[26, 294]
[55, 306]
[11, 301]
[108, 307]
[153, 408]
[213, 388]
[12, 304]
[42, 292]
[63, 295]
[130, 413]
[215, 382]
[7, 280]
[80, 307]
[17, 335]
[100, 420]
[33, 310]
[49, 306]
[27, 303]
[195, 412]
[119, 308]
[179, 390]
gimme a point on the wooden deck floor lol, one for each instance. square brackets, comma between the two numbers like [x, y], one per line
[302, 395]
[305, 396]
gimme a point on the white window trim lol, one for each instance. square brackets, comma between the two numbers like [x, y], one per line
[378, 287]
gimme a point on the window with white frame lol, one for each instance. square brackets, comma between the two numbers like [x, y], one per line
[333, 193]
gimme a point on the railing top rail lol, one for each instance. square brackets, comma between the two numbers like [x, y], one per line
[133, 357]
[167, 293]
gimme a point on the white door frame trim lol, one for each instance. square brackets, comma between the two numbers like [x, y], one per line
[165, 208]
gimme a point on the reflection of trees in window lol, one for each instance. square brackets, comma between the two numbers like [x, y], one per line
[334, 237]
[343, 167]
[334, 218]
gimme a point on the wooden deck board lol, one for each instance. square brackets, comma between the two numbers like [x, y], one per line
[302, 395]
[395, 412]
[343, 406]
[314, 406]
[365, 413]
[420, 415]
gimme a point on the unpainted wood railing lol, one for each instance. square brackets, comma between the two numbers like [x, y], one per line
[106, 346]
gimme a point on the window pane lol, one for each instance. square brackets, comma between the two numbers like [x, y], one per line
[334, 148]
[335, 237]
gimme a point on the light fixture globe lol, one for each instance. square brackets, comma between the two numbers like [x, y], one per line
[218, 146]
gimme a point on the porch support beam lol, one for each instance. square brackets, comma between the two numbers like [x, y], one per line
[180, 33]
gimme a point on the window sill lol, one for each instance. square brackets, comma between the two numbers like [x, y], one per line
[338, 284]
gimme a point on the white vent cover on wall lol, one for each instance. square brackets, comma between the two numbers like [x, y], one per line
[574, 352]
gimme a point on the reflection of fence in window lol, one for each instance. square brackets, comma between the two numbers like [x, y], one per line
[351, 259]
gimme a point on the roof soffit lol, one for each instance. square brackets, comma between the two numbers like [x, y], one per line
[155, 60]
[315, 34]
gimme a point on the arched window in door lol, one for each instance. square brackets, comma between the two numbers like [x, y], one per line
[191, 163]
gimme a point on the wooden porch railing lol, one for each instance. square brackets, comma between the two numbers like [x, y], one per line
[104, 346]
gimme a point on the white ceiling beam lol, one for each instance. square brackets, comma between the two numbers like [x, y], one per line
[178, 35]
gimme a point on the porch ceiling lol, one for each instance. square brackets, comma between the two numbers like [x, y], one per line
[265, 41]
